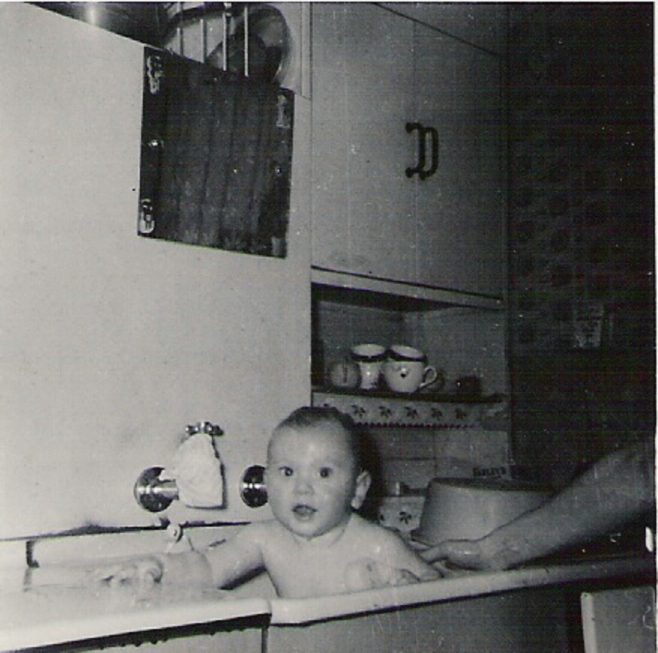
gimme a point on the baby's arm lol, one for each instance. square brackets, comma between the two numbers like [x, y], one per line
[237, 557]
[399, 556]
[387, 562]
[218, 566]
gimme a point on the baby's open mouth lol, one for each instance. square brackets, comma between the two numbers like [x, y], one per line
[303, 511]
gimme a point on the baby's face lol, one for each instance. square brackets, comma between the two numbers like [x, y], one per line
[312, 480]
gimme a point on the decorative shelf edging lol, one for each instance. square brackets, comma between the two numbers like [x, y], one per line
[402, 411]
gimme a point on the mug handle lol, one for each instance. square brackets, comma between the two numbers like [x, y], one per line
[429, 376]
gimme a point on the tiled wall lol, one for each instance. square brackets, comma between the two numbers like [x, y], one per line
[415, 456]
[581, 228]
[581, 170]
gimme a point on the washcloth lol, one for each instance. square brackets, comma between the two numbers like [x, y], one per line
[197, 470]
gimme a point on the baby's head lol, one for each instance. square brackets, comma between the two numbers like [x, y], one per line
[314, 475]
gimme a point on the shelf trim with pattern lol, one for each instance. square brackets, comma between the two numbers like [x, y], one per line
[403, 411]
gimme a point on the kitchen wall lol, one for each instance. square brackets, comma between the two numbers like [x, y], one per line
[581, 230]
[110, 344]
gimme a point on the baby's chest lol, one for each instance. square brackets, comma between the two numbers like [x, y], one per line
[308, 572]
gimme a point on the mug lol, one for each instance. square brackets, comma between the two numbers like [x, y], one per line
[344, 374]
[370, 359]
[405, 369]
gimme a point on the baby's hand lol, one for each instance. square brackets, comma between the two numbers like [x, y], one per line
[142, 572]
[402, 577]
[366, 573]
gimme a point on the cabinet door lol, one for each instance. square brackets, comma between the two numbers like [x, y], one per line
[460, 207]
[363, 204]
[479, 23]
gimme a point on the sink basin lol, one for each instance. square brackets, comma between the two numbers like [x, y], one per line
[59, 604]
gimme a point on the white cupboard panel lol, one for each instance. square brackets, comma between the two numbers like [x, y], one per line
[362, 208]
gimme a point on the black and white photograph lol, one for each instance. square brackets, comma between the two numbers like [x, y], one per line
[327, 327]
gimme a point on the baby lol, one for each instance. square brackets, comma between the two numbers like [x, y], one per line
[316, 544]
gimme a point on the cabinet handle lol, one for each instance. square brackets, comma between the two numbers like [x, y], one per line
[434, 138]
[423, 134]
[411, 127]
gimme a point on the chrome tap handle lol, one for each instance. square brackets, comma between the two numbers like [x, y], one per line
[152, 493]
[252, 488]
[204, 427]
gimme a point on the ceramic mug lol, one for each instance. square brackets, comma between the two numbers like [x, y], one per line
[370, 359]
[406, 369]
[344, 374]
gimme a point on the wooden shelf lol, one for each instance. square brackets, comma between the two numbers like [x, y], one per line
[432, 397]
[405, 296]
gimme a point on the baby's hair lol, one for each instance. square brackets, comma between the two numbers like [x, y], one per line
[314, 416]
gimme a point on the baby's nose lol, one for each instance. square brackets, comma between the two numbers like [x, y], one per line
[303, 485]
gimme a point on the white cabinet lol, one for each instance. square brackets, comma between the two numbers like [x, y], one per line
[459, 217]
[362, 97]
[479, 23]
[375, 71]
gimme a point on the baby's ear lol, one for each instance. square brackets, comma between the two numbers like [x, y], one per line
[362, 485]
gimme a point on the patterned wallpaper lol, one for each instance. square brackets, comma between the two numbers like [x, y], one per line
[581, 228]
[581, 172]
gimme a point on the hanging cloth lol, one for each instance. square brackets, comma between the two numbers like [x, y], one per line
[220, 176]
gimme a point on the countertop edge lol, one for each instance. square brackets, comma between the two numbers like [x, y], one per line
[300, 611]
[107, 625]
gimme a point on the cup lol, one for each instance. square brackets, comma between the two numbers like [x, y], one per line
[344, 374]
[370, 359]
[406, 369]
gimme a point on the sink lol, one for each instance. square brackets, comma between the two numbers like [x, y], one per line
[60, 604]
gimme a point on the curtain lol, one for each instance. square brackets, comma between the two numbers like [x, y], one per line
[217, 150]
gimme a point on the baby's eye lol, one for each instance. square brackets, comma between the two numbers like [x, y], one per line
[285, 471]
[326, 472]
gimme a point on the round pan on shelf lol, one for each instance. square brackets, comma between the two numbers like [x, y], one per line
[269, 45]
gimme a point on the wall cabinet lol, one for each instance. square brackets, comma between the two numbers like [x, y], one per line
[362, 97]
[375, 71]
[459, 220]
[482, 24]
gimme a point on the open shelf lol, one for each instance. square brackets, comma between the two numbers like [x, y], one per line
[414, 397]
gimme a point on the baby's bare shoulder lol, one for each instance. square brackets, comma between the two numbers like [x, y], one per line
[266, 534]
[369, 533]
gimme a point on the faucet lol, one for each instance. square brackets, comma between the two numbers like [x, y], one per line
[156, 494]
